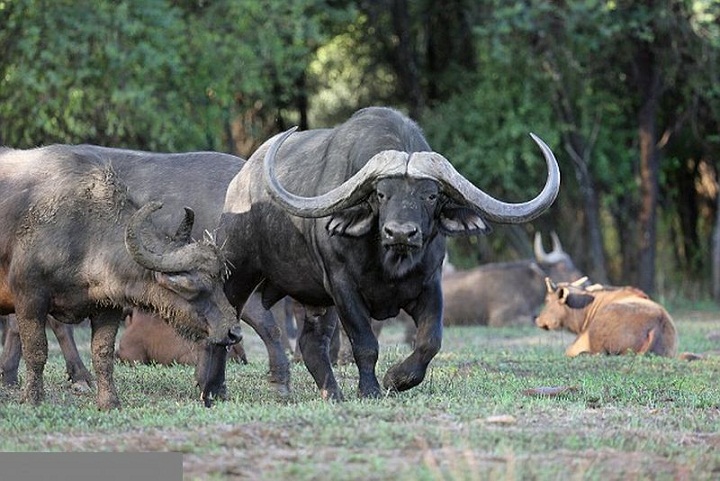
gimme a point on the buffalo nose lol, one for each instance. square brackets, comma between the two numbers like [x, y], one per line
[401, 232]
[235, 335]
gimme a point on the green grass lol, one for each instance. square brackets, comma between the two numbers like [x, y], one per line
[628, 417]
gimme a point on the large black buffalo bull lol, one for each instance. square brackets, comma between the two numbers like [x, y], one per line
[356, 217]
[78, 241]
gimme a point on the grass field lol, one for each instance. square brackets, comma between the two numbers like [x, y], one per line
[475, 417]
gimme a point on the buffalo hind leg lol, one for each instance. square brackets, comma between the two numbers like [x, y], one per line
[77, 372]
[12, 352]
[261, 319]
[104, 330]
[318, 330]
[365, 350]
[411, 371]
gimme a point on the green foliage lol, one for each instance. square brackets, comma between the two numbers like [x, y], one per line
[101, 74]
[151, 75]
[225, 75]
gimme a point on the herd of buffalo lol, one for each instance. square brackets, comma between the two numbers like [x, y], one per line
[328, 227]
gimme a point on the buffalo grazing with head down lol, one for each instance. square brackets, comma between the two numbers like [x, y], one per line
[608, 320]
[355, 217]
[79, 241]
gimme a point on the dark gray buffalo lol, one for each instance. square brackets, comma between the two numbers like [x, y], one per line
[355, 217]
[79, 241]
[505, 293]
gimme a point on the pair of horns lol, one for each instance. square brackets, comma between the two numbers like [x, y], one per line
[421, 165]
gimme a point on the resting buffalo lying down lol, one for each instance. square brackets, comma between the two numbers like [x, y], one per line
[355, 217]
[505, 293]
[608, 320]
[150, 340]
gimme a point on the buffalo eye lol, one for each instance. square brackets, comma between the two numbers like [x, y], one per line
[380, 196]
[432, 197]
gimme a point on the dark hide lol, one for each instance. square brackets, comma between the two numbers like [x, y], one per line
[370, 259]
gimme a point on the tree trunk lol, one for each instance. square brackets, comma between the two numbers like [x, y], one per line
[405, 59]
[716, 254]
[576, 146]
[579, 148]
[648, 76]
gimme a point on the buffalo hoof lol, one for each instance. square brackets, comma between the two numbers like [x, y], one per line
[332, 395]
[10, 381]
[369, 387]
[282, 389]
[398, 379]
[108, 403]
[80, 387]
[32, 396]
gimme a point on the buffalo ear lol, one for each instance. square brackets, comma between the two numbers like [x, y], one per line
[578, 301]
[352, 222]
[456, 220]
[182, 284]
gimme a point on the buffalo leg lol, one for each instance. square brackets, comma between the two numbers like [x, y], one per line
[104, 330]
[264, 323]
[336, 346]
[410, 372]
[365, 347]
[35, 353]
[210, 373]
[77, 372]
[315, 339]
[12, 352]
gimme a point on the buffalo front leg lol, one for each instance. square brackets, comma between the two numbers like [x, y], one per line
[314, 341]
[104, 330]
[35, 353]
[77, 372]
[210, 373]
[12, 352]
[411, 372]
[365, 350]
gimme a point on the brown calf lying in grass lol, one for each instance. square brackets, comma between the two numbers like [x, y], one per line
[150, 340]
[608, 320]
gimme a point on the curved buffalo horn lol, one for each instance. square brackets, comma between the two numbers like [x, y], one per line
[183, 233]
[556, 255]
[173, 260]
[384, 164]
[539, 250]
[435, 166]
[557, 246]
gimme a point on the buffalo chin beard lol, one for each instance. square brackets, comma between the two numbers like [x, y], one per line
[400, 259]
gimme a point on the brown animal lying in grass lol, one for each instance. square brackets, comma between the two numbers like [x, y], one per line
[608, 320]
[148, 339]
